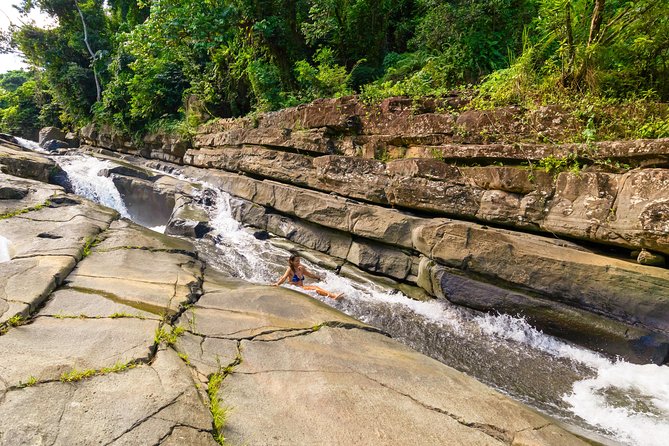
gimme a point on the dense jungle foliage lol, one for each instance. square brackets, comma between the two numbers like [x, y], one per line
[142, 64]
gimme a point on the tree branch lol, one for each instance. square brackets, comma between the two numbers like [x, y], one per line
[90, 51]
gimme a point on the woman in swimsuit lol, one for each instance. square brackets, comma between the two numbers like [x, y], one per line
[296, 273]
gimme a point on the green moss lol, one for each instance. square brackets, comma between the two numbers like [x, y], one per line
[25, 211]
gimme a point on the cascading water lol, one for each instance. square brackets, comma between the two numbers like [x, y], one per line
[28, 144]
[627, 403]
[83, 174]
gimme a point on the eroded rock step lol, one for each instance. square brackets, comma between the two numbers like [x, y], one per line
[96, 362]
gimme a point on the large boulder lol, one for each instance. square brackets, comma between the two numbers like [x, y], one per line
[187, 218]
[49, 133]
[72, 139]
[53, 145]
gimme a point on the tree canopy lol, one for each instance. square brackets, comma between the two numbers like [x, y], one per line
[132, 63]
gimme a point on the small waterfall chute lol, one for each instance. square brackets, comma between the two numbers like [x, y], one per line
[28, 144]
[84, 176]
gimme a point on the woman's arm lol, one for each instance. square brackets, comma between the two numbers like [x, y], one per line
[283, 278]
[308, 273]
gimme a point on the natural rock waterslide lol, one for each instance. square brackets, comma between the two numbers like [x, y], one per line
[115, 334]
[294, 174]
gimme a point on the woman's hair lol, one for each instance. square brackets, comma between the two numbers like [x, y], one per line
[292, 257]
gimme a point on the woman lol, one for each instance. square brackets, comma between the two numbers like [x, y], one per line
[296, 273]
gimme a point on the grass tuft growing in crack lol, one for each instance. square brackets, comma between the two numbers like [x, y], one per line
[24, 211]
[220, 413]
[77, 375]
[69, 316]
[125, 315]
[13, 321]
[16, 320]
[90, 243]
[29, 383]
[169, 337]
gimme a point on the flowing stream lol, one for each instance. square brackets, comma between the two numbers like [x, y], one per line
[614, 401]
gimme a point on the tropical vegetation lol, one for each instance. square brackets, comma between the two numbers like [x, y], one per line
[137, 64]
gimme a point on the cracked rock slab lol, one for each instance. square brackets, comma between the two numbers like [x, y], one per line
[152, 281]
[29, 281]
[383, 392]
[57, 230]
[49, 347]
[122, 234]
[32, 193]
[183, 435]
[141, 406]
[253, 310]
[207, 355]
[67, 303]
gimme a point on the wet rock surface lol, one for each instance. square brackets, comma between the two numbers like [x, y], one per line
[112, 333]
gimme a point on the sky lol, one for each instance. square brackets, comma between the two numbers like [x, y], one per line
[8, 15]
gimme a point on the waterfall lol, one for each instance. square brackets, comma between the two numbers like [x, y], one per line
[5, 250]
[83, 173]
[28, 144]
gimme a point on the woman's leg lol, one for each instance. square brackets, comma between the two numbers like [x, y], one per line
[321, 291]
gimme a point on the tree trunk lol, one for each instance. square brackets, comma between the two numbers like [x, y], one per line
[596, 23]
[571, 51]
[90, 51]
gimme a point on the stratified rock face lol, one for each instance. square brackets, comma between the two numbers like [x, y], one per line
[553, 283]
[24, 164]
[113, 332]
[327, 145]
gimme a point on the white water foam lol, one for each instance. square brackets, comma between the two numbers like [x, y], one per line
[160, 229]
[83, 173]
[31, 145]
[5, 250]
[517, 329]
[637, 413]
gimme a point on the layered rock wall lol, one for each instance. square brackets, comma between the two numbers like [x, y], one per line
[330, 146]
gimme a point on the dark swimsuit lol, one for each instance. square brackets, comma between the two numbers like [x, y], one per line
[296, 278]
